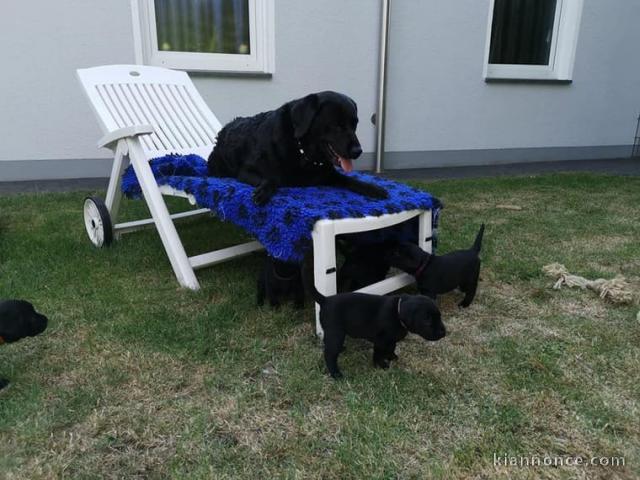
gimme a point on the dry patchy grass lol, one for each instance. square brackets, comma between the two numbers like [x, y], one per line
[138, 379]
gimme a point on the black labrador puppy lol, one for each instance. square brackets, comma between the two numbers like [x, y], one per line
[296, 145]
[379, 319]
[363, 265]
[441, 274]
[18, 319]
[278, 280]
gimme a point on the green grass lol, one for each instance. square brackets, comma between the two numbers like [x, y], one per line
[138, 378]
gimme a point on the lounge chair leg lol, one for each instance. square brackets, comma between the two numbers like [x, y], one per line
[324, 264]
[114, 192]
[167, 230]
[425, 231]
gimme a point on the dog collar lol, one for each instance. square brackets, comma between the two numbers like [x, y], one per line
[400, 319]
[303, 154]
[300, 149]
[422, 266]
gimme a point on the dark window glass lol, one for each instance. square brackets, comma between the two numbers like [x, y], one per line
[208, 26]
[522, 31]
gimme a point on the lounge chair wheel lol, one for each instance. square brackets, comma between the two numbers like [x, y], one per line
[97, 221]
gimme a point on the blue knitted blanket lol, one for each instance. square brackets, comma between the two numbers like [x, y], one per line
[284, 225]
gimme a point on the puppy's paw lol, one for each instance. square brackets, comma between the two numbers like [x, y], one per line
[3, 383]
[393, 356]
[337, 375]
[382, 363]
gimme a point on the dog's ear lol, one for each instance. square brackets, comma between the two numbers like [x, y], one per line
[407, 257]
[355, 105]
[422, 316]
[303, 112]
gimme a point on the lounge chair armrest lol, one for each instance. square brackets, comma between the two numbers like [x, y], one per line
[125, 132]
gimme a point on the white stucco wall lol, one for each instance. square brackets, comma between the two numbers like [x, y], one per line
[437, 98]
[319, 45]
[44, 114]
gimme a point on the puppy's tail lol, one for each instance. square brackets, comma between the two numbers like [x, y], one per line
[307, 278]
[477, 245]
[317, 296]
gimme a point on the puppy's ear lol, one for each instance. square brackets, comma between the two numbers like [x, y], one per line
[303, 112]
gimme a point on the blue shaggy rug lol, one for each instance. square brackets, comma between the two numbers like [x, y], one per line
[284, 225]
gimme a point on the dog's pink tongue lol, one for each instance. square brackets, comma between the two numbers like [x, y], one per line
[346, 164]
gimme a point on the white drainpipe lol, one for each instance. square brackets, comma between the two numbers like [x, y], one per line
[382, 84]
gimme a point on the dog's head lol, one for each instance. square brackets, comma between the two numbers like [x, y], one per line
[18, 319]
[409, 258]
[421, 316]
[325, 125]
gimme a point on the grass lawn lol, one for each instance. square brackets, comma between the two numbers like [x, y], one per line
[137, 378]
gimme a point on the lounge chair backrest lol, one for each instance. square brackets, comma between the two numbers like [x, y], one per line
[128, 95]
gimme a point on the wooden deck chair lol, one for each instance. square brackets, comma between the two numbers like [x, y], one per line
[147, 112]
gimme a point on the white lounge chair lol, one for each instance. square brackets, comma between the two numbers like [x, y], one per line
[148, 112]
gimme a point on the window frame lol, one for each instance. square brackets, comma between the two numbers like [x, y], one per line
[261, 60]
[561, 55]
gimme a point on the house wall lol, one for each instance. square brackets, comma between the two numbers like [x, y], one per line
[440, 111]
[438, 101]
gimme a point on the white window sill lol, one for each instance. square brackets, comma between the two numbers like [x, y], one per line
[534, 73]
[211, 63]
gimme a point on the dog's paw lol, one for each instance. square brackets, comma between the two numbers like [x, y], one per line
[382, 363]
[3, 383]
[263, 193]
[259, 198]
[378, 193]
[393, 356]
[337, 375]
[464, 304]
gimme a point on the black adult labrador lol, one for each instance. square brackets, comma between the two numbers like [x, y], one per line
[18, 319]
[296, 145]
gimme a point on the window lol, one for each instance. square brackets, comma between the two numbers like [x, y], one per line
[233, 36]
[532, 39]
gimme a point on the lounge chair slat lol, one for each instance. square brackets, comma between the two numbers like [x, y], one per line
[188, 117]
[178, 116]
[158, 121]
[131, 109]
[174, 127]
[153, 142]
[113, 111]
[210, 130]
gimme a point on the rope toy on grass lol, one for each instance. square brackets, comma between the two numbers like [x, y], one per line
[617, 289]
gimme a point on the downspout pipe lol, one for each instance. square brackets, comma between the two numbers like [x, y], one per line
[382, 85]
